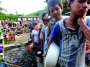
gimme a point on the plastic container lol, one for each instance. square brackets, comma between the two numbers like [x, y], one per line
[52, 56]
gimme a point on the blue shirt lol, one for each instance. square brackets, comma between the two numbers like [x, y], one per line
[45, 30]
[71, 43]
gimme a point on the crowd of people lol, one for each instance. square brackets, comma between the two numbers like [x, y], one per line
[10, 29]
[70, 34]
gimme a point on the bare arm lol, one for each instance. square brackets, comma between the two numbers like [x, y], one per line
[85, 28]
[39, 35]
[43, 37]
[49, 42]
[33, 39]
[48, 33]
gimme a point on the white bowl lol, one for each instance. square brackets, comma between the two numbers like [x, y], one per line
[52, 55]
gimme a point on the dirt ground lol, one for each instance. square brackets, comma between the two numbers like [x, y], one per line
[22, 56]
[21, 38]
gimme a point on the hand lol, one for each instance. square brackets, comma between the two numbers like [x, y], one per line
[81, 20]
[44, 55]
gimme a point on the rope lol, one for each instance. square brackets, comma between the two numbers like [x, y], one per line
[9, 64]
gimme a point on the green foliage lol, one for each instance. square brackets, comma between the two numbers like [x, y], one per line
[11, 17]
[1, 9]
[65, 9]
[46, 1]
[38, 13]
[4, 16]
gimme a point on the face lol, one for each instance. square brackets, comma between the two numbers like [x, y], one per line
[35, 25]
[45, 23]
[56, 12]
[87, 44]
[79, 7]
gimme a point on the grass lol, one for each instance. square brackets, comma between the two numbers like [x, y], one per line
[9, 41]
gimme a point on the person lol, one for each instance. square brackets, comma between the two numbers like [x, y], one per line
[43, 34]
[55, 8]
[34, 35]
[72, 32]
[87, 56]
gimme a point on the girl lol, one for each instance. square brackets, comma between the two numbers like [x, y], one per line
[43, 33]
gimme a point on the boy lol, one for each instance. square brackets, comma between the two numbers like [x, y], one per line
[34, 35]
[55, 8]
[71, 33]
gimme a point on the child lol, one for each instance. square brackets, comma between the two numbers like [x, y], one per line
[71, 33]
[34, 35]
[43, 33]
[55, 9]
[87, 57]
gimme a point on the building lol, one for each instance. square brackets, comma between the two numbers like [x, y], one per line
[32, 18]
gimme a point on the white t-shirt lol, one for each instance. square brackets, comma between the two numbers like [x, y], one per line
[35, 34]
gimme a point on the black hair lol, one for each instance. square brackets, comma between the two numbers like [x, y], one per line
[46, 19]
[70, 0]
[43, 15]
[54, 2]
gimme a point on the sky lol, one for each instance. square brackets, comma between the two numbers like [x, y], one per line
[22, 6]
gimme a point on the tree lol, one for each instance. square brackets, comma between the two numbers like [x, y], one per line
[46, 1]
[65, 9]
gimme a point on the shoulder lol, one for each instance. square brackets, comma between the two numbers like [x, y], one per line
[33, 31]
[88, 21]
[43, 29]
[57, 26]
[52, 21]
[59, 23]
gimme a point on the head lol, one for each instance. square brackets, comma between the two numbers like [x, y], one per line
[44, 15]
[46, 21]
[55, 8]
[45, 18]
[78, 8]
[34, 24]
[87, 44]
